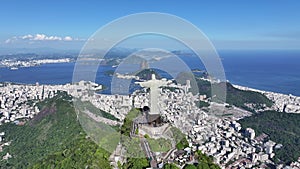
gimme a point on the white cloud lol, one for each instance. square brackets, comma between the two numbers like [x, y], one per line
[41, 37]
[68, 38]
[27, 36]
[8, 41]
[53, 38]
[11, 40]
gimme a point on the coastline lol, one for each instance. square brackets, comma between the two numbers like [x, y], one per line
[282, 102]
[14, 65]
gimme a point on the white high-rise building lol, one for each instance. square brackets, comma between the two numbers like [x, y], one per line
[250, 133]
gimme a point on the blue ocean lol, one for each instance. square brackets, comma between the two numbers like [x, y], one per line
[277, 71]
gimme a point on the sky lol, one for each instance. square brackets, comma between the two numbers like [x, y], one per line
[232, 24]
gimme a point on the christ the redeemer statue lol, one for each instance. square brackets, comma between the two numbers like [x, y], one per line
[154, 85]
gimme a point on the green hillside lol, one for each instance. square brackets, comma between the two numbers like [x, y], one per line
[236, 96]
[283, 128]
[147, 73]
[53, 139]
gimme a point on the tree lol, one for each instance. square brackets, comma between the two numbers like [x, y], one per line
[203, 166]
[136, 163]
[190, 166]
[170, 166]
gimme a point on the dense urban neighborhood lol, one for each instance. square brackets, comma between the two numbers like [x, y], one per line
[206, 130]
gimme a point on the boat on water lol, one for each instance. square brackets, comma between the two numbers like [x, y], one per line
[14, 68]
